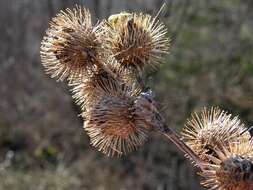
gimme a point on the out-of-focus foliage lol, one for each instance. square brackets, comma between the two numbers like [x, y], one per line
[42, 143]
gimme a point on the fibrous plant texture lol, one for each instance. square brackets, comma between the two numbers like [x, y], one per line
[211, 129]
[136, 40]
[232, 168]
[115, 126]
[70, 48]
[88, 90]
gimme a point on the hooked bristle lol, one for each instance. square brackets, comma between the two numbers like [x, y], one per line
[212, 128]
[136, 40]
[232, 168]
[70, 48]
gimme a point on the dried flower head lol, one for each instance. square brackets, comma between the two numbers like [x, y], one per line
[88, 90]
[71, 47]
[114, 125]
[136, 40]
[124, 75]
[212, 128]
[232, 168]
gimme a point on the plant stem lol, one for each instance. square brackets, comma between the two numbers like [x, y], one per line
[175, 138]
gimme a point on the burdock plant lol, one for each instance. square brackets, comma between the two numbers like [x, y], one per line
[219, 140]
[211, 129]
[136, 40]
[231, 168]
[117, 116]
[70, 48]
[104, 66]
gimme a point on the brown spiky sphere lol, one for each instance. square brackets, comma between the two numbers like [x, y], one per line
[105, 81]
[210, 129]
[87, 91]
[115, 126]
[70, 48]
[232, 168]
[136, 40]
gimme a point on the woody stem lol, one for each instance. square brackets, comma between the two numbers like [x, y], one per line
[175, 138]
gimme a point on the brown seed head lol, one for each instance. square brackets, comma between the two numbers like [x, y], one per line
[136, 40]
[114, 125]
[123, 75]
[232, 169]
[212, 128]
[89, 90]
[70, 47]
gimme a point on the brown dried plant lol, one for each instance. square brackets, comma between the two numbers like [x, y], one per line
[232, 168]
[70, 48]
[87, 90]
[98, 62]
[104, 64]
[119, 123]
[136, 40]
[211, 129]
[114, 125]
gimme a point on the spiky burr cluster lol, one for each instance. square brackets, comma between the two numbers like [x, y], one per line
[221, 142]
[103, 65]
[211, 129]
[92, 58]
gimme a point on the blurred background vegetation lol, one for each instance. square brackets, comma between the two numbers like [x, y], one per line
[42, 143]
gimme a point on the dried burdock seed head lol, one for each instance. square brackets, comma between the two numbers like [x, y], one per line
[232, 168]
[70, 47]
[136, 40]
[123, 75]
[91, 88]
[212, 128]
[114, 125]
[88, 90]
